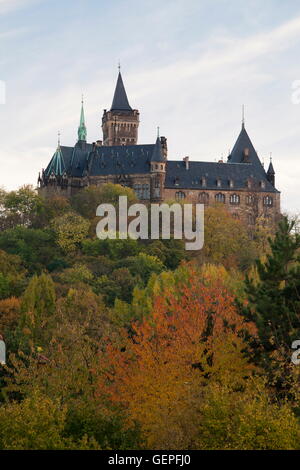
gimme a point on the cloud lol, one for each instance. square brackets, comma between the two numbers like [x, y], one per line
[195, 97]
[7, 6]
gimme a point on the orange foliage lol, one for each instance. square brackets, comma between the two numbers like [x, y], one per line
[9, 313]
[193, 335]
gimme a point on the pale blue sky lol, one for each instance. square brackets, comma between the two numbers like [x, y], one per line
[188, 66]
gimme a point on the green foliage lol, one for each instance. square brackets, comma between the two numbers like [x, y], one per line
[35, 247]
[142, 266]
[71, 229]
[21, 207]
[37, 423]
[246, 420]
[38, 307]
[274, 303]
[86, 201]
[66, 297]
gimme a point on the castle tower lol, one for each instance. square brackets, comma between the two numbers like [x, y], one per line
[158, 171]
[120, 124]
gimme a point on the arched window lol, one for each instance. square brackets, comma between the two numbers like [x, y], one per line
[249, 200]
[234, 199]
[268, 201]
[235, 215]
[179, 195]
[203, 198]
[220, 197]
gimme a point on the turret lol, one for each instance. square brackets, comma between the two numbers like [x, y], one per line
[158, 170]
[120, 124]
[271, 173]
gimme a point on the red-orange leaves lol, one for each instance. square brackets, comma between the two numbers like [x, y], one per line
[156, 372]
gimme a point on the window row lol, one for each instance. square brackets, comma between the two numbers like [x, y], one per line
[221, 183]
[234, 199]
[142, 191]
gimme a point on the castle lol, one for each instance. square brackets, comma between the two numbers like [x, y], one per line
[241, 183]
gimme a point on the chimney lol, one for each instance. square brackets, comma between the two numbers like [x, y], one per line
[187, 163]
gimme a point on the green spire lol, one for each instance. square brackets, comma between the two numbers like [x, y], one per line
[57, 164]
[82, 128]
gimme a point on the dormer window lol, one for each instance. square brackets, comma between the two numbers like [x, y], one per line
[203, 182]
[231, 183]
[262, 184]
[219, 183]
[246, 154]
[176, 181]
[248, 184]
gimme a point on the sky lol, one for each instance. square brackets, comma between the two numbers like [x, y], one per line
[187, 65]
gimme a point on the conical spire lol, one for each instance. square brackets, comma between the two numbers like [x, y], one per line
[120, 101]
[82, 127]
[57, 164]
[271, 170]
[244, 151]
[157, 155]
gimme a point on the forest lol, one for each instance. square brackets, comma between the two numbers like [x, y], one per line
[140, 344]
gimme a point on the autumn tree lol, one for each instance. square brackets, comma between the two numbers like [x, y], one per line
[71, 229]
[158, 371]
[226, 239]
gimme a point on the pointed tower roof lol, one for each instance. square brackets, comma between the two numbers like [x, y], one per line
[120, 101]
[271, 170]
[82, 127]
[57, 164]
[157, 155]
[244, 152]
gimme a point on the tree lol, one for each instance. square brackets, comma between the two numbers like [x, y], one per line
[36, 248]
[9, 315]
[157, 371]
[274, 302]
[12, 275]
[246, 419]
[71, 229]
[86, 201]
[21, 207]
[37, 423]
[226, 240]
[38, 308]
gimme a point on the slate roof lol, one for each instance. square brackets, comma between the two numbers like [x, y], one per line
[271, 169]
[106, 160]
[177, 176]
[57, 163]
[84, 158]
[237, 154]
[120, 100]
[157, 155]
